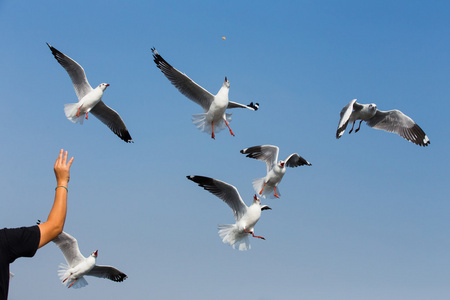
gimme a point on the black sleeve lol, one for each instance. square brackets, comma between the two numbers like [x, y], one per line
[22, 242]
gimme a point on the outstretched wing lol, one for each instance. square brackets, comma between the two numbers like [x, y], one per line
[266, 153]
[111, 118]
[399, 123]
[345, 116]
[251, 106]
[107, 272]
[228, 193]
[183, 83]
[69, 247]
[75, 71]
[295, 160]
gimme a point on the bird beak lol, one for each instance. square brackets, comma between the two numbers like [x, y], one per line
[226, 80]
[107, 84]
[282, 164]
[95, 253]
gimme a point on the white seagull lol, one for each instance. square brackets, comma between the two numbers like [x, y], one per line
[89, 99]
[72, 275]
[391, 121]
[246, 217]
[214, 117]
[268, 186]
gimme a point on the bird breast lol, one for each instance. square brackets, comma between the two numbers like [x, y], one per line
[275, 175]
[249, 220]
[90, 100]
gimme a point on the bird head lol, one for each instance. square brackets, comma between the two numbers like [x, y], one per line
[372, 106]
[95, 253]
[226, 82]
[103, 86]
[281, 164]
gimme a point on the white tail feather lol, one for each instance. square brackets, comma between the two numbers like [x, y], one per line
[268, 191]
[63, 273]
[230, 234]
[199, 121]
[71, 109]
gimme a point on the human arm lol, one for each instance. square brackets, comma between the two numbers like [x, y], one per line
[57, 216]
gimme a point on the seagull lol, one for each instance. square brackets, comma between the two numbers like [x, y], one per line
[246, 216]
[89, 99]
[268, 186]
[72, 275]
[391, 121]
[214, 106]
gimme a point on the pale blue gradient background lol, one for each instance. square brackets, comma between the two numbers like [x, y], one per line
[368, 220]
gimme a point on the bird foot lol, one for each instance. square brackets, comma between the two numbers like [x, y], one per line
[86, 116]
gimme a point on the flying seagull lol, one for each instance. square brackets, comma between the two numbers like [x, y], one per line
[268, 186]
[246, 216]
[391, 121]
[89, 99]
[214, 117]
[72, 275]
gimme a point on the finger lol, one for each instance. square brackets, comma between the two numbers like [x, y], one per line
[58, 160]
[64, 158]
[70, 162]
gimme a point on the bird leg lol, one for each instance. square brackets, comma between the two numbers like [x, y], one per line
[262, 188]
[67, 277]
[256, 236]
[212, 127]
[275, 189]
[72, 283]
[79, 109]
[359, 126]
[229, 128]
[86, 115]
[352, 127]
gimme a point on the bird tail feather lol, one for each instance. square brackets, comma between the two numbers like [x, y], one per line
[199, 121]
[268, 191]
[71, 109]
[229, 233]
[63, 273]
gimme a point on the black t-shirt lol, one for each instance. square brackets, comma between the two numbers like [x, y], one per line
[14, 243]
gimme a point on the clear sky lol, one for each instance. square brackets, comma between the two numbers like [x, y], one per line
[368, 220]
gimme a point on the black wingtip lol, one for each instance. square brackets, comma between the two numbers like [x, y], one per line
[254, 106]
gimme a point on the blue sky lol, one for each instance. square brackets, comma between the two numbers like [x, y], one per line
[369, 218]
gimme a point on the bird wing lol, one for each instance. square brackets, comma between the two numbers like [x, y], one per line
[228, 193]
[251, 106]
[107, 272]
[69, 247]
[183, 83]
[266, 153]
[111, 118]
[295, 160]
[399, 123]
[345, 116]
[75, 71]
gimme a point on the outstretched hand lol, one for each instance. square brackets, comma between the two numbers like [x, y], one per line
[62, 168]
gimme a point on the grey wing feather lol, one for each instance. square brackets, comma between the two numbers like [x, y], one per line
[295, 160]
[69, 247]
[397, 122]
[107, 272]
[344, 118]
[266, 153]
[183, 83]
[251, 106]
[111, 118]
[75, 71]
[228, 193]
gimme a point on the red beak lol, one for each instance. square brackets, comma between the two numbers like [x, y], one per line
[107, 84]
